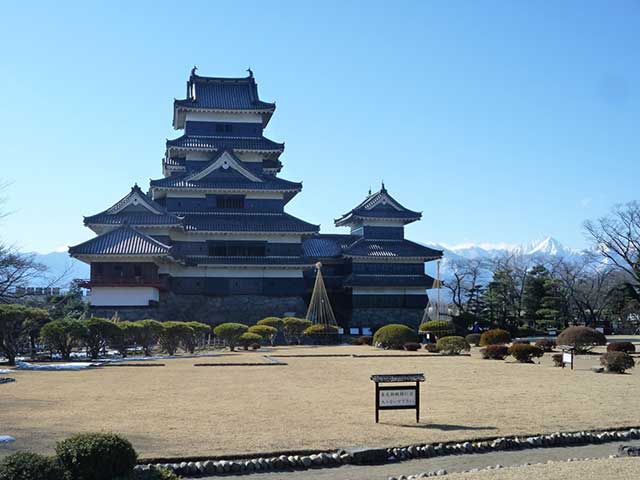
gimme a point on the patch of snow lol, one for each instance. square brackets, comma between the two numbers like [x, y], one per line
[57, 366]
[6, 439]
[4, 371]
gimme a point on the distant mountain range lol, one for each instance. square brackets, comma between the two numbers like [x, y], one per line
[545, 249]
[62, 266]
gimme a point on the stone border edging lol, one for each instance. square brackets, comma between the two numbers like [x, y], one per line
[6, 380]
[298, 461]
[270, 362]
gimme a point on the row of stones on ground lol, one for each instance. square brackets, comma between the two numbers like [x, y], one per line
[6, 380]
[325, 460]
[442, 471]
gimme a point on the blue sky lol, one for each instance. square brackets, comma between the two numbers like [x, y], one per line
[502, 121]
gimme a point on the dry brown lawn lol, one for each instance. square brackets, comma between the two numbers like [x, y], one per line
[313, 403]
[609, 469]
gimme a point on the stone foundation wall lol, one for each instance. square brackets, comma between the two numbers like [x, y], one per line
[377, 317]
[209, 309]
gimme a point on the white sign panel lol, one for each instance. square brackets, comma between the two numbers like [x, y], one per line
[397, 398]
[566, 357]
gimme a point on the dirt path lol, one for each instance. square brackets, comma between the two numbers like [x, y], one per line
[455, 463]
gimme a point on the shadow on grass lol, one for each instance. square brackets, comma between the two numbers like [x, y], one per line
[445, 427]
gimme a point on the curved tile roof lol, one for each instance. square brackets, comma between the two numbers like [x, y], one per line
[379, 205]
[390, 248]
[121, 241]
[260, 144]
[223, 94]
[223, 222]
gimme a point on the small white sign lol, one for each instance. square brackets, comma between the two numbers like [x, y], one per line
[397, 398]
[566, 357]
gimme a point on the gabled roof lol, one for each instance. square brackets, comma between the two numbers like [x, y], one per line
[135, 208]
[223, 94]
[226, 172]
[213, 143]
[390, 249]
[122, 241]
[247, 222]
[379, 205]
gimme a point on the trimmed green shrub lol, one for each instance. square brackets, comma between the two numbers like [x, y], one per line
[362, 340]
[146, 334]
[155, 474]
[173, 334]
[473, 339]
[431, 347]
[452, 345]
[30, 466]
[411, 347]
[319, 329]
[617, 362]
[626, 347]
[546, 344]
[97, 334]
[265, 331]
[294, 328]
[524, 353]
[247, 339]
[231, 333]
[494, 352]
[63, 336]
[496, 336]
[275, 322]
[394, 336]
[124, 336]
[439, 328]
[197, 337]
[96, 456]
[582, 338]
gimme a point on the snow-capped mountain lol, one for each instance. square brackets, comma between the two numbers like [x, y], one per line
[545, 249]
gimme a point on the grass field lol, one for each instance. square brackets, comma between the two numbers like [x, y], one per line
[312, 403]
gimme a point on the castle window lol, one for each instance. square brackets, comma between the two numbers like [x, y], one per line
[230, 202]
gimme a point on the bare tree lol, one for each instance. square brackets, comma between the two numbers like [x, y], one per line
[617, 237]
[467, 278]
[16, 269]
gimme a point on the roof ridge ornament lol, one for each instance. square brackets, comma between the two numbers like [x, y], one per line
[194, 70]
[250, 72]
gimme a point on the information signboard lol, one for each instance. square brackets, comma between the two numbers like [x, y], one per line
[398, 397]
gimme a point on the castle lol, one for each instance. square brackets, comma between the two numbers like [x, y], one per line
[212, 236]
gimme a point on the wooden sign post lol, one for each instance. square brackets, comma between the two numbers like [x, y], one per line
[568, 355]
[398, 397]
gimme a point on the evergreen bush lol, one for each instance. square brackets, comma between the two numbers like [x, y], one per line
[394, 336]
[439, 328]
[431, 347]
[231, 333]
[546, 344]
[63, 336]
[496, 336]
[97, 334]
[30, 466]
[473, 339]
[146, 334]
[319, 329]
[247, 339]
[524, 353]
[452, 345]
[96, 456]
[173, 334]
[582, 339]
[294, 328]
[494, 352]
[626, 347]
[411, 347]
[557, 359]
[265, 331]
[275, 322]
[617, 362]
